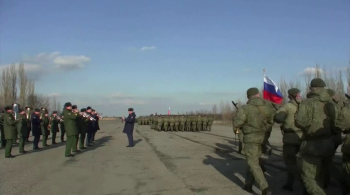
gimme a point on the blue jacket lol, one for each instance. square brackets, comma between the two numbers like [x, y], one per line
[36, 128]
[129, 123]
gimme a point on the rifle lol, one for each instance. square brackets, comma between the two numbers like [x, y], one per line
[235, 105]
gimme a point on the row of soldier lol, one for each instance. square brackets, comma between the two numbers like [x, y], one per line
[79, 127]
[312, 131]
[178, 122]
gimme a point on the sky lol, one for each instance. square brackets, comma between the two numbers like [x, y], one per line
[150, 55]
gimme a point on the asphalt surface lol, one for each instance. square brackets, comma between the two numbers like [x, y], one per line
[161, 163]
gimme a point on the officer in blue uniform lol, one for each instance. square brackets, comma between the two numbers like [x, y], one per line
[36, 128]
[129, 126]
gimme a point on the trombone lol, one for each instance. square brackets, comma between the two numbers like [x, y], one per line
[86, 115]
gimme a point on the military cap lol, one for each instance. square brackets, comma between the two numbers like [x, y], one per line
[74, 107]
[252, 91]
[67, 104]
[8, 108]
[293, 91]
[88, 108]
[36, 110]
[83, 110]
[317, 82]
[130, 109]
[54, 112]
[93, 110]
[331, 92]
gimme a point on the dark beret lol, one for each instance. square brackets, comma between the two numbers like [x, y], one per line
[54, 112]
[36, 110]
[130, 109]
[8, 108]
[331, 92]
[317, 82]
[88, 108]
[67, 104]
[74, 107]
[83, 110]
[252, 91]
[293, 91]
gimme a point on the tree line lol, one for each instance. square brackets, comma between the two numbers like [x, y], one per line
[16, 87]
[225, 111]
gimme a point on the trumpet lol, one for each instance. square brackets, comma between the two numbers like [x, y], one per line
[86, 115]
[58, 118]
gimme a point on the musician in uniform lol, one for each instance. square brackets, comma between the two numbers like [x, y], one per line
[63, 130]
[129, 126]
[10, 127]
[70, 119]
[45, 122]
[3, 140]
[54, 126]
[83, 130]
[36, 129]
[90, 128]
[76, 136]
[95, 124]
[22, 128]
[28, 114]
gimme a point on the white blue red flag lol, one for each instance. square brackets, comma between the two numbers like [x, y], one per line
[169, 111]
[271, 91]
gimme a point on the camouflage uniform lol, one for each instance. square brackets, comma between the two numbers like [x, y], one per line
[210, 122]
[317, 117]
[171, 123]
[193, 123]
[159, 123]
[205, 123]
[166, 123]
[292, 138]
[188, 123]
[182, 121]
[177, 122]
[254, 119]
[346, 152]
[199, 123]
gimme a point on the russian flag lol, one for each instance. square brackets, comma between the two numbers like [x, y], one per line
[271, 91]
[169, 111]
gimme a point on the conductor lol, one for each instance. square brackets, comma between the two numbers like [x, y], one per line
[129, 126]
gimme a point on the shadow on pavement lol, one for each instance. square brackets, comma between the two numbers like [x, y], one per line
[99, 143]
[53, 146]
[137, 141]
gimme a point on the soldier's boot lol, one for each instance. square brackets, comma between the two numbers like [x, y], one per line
[159, 128]
[248, 188]
[204, 127]
[290, 180]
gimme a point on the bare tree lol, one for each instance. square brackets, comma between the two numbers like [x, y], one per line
[23, 82]
[6, 86]
[284, 87]
[58, 107]
[31, 101]
[13, 81]
[53, 103]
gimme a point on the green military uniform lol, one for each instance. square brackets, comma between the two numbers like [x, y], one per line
[205, 123]
[54, 128]
[188, 123]
[22, 127]
[200, 123]
[159, 123]
[318, 118]
[78, 124]
[44, 128]
[193, 123]
[70, 120]
[171, 123]
[10, 128]
[166, 123]
[177, 123]
[255, 119]
[210, 122]
[182, 122]
[292, 137]
[3, 140]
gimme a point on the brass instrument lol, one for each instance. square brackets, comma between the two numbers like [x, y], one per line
[16, 110]
[28, 112]
[58, 118]
[86, 115]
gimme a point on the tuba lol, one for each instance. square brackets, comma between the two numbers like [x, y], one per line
[15, 109]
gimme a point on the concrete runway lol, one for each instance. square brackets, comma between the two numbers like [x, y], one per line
[161, 163]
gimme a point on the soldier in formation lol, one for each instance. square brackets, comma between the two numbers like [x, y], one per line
[192, 123]
[75, 127]
[311, 132]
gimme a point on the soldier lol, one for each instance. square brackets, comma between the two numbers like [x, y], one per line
[171, 123]
[255, 119]
[70, 119]
[28, 114]
[160, 123]
[36, 129]
[78, 127]
[10, 127]
[177, 122]
[3, 140]
[318, 118]
[83, 130]
[193, 122]
[63, 130]
[44, 126]
[129, 126]
[199, 123]
[210, 122]
[54, 126]
[22, 127]
[166, 123]
[182, 122]
[90, 129]
[292, 136]
[205, 123]
[188, 123]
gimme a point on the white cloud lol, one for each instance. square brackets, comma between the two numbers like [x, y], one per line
[311, 70]
[46, 62]
[128, 102]
[148, 48]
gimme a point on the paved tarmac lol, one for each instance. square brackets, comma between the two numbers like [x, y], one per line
[161, 163]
